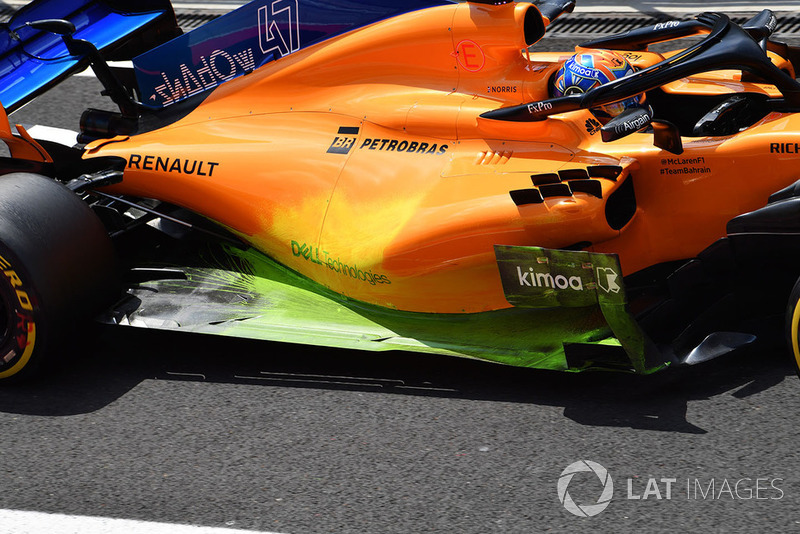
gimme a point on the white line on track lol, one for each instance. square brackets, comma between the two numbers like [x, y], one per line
[122, 64]
[20, 522]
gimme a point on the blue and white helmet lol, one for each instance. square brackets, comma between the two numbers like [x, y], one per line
[590, 69]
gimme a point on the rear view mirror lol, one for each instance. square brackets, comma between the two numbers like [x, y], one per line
[667, 137]
[629, 121]
[56, 26]
[761, 27]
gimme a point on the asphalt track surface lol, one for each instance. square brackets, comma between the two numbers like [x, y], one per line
[165, 427]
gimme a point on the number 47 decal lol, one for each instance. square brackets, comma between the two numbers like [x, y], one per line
[279, 27]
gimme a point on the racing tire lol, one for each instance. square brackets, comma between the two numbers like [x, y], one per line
[793, 325]
[57, 266]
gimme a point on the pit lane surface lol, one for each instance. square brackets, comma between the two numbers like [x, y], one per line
[163, 427]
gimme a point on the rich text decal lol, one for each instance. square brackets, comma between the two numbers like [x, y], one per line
[784, 148]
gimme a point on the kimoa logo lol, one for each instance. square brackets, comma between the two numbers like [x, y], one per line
[585, 510]
[530, 278]
[606, 280]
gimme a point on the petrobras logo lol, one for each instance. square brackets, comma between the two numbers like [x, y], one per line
[603, 499]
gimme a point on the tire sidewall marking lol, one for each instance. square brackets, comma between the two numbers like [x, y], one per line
[795, 327]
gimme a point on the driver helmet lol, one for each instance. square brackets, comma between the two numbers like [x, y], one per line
[592, 68]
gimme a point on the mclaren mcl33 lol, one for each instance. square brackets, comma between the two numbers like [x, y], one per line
[385, 175]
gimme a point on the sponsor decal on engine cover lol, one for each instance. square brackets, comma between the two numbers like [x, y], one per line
[347, 138]
[342, 143]
[173, 165]
[402, 145]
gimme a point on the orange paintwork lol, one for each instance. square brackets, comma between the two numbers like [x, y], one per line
[22, 146]
[361, 163]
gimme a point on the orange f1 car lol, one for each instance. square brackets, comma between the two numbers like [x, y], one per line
[369, 176]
